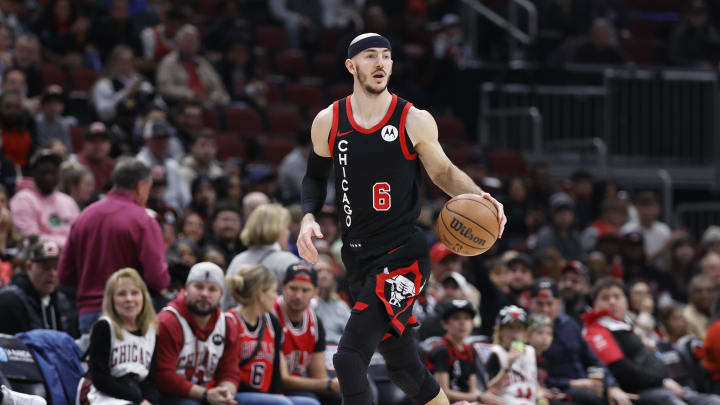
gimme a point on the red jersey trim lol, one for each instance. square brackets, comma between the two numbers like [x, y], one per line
[388, 114]
[403, 140]
[380, 293]
[360, 306]
[603, 343]
[333, 129]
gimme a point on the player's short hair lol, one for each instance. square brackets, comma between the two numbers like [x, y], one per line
[264, 225]
[129, 172]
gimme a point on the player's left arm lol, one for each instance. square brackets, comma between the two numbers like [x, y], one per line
[423, 133]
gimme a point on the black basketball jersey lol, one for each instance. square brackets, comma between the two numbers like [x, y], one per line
[377, 172]
[460, 365]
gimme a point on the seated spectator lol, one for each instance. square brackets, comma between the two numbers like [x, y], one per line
[494, 287]
[519, 213]
[569, 356]
[710, 266]
[581, 192]
[238, 72]
[641, 311]
[183, 75]
[635, 265]
[697, 313]
[442, 262]
[14, 81]
[41, 208]
[329, 307]
[301, 21]
[520, 276]
[540, 337]
[163, 213]
[113, 27]
[613, 214]
[204, 196]
[128, 325]
[159, 40]
[96, 155]
[192, 227]
[18, 130]
[120, 233]
[656, 234]
[121, 82]
[602, 47]
[673, 324]
[213, 254]
[188, 330]
[681, 267]
[559, 233]
[255, 288]
[189, 123]
[575, 289]
[512, 357]
[225, 227]
[202, 160]
[33, 300]
[251, 201]
[638, 369]
[264, 234]
[10, 239]
[710, 241]
[49, 122]
[27, 58]
[304, 337]
[154, 114]
[156, 153]
[181, 256]
[63, 31]
[291, 172]
[77, 182]
[694, 42]
[452, 362]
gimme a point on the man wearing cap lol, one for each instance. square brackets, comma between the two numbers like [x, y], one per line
[559, 233]
[49, 122]
[111, 234]
[95, 155]
[635, 265]
[197, 344]
[304, 336]
[453, 362]
[656, 234]
[33, 300]
[569, 355]
[156, 152]
[443, 262]
[40, 208]
[575, 289]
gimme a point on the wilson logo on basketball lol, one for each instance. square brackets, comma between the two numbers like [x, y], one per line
[466, 232]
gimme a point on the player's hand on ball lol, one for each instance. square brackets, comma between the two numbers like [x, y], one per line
[501, 212]
[309, 229]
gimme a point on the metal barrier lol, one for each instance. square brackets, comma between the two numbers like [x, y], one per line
[696, 217]
[512, 131]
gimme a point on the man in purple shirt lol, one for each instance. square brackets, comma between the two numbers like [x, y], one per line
[111, 234]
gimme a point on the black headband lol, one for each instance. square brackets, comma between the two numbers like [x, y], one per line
[373, 41]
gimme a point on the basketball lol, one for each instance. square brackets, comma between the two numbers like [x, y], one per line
[468, 224]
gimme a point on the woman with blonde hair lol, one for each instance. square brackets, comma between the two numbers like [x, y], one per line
[77, 181]
[265, 234]
[263, 370]
[122, 345]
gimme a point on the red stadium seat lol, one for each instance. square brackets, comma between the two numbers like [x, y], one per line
[53, 74]
[284, 119]
[450, 129]
[77, 138]
[507, 162]
[211, 119]
[338, 91]
[324, 65]
[244, 120]
[329, 38]
[83, 79]
[276, 149]
[305, 95]
[229, 146]
[313, 110]
[275, 93]
[291, 62]
[271, 37]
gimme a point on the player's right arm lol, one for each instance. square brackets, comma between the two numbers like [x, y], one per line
[314, 184]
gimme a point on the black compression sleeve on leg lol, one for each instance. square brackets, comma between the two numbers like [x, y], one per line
[314, 184]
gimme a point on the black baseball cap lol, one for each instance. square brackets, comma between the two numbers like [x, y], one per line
[448, 308]
[301, 272]
[545, 288]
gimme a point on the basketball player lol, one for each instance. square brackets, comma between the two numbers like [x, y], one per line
[375, 140]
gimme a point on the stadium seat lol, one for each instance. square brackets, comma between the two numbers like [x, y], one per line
[244, 120]
[275, 92]
[507, 162]
[304, 95]
[291, 62]
[77, 138]
[211, 119]
[324, 65]
[329, 38]
[83, 79]
[53, 74]
[272, 38]
[313, 110]
[284, 119]
[275, 149]
[229, 146]
[338, 91]
[450, 129]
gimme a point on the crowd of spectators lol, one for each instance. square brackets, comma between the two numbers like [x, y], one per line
[146, 135]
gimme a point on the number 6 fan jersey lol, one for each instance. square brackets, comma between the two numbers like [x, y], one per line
[376, 172]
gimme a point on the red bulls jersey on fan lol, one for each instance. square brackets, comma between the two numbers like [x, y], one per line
[459, 365]
[298, 342]
[376, 172]
[258, 372]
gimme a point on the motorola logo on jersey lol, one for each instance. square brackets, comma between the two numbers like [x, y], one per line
[389, 133]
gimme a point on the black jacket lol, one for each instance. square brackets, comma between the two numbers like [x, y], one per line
[22, 309]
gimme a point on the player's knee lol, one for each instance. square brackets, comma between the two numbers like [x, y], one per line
[350, 364]
[416, 382]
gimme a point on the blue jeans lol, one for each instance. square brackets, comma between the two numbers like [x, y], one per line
[169, 400]
[261, 398]
[87, 320]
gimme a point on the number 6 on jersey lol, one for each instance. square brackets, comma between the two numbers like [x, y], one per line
[381, 196]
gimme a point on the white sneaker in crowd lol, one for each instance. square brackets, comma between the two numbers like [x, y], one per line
[11, 397]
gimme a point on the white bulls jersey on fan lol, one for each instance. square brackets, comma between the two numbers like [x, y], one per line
[199, 359]
[521, 387]
[132, 354]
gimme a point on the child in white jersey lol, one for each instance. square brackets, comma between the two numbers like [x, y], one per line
[122, 345]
